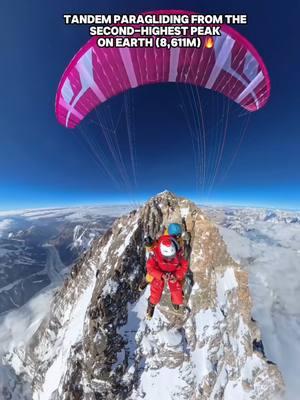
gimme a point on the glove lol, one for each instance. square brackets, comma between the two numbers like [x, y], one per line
[166, 276]
[169, 277]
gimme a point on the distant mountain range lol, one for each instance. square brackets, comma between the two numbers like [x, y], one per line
[37, 247]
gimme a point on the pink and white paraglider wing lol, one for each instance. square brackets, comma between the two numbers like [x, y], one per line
[231, 66]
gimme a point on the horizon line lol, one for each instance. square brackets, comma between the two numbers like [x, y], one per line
[217, 204]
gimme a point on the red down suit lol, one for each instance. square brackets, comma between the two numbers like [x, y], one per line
[157, 266]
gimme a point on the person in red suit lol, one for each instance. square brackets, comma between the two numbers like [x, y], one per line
[166, 265]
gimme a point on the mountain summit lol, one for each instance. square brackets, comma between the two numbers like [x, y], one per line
[96, 344]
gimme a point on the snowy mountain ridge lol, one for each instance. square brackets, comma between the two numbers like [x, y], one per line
[38, 247]
[270, 252]
[96, 344]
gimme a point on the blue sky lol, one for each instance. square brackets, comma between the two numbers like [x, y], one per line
[44, 164]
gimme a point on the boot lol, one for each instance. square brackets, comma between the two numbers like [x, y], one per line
[150, 310]
[143, 285]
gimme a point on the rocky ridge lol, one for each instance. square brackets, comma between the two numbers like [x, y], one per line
[96, 344]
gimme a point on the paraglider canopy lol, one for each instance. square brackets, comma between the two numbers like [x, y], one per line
[228, 64]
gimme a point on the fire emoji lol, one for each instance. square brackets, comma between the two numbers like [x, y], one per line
[209, 43]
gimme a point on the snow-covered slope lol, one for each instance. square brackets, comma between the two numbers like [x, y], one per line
[96, 344]
[37, 247]
[267, 242]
